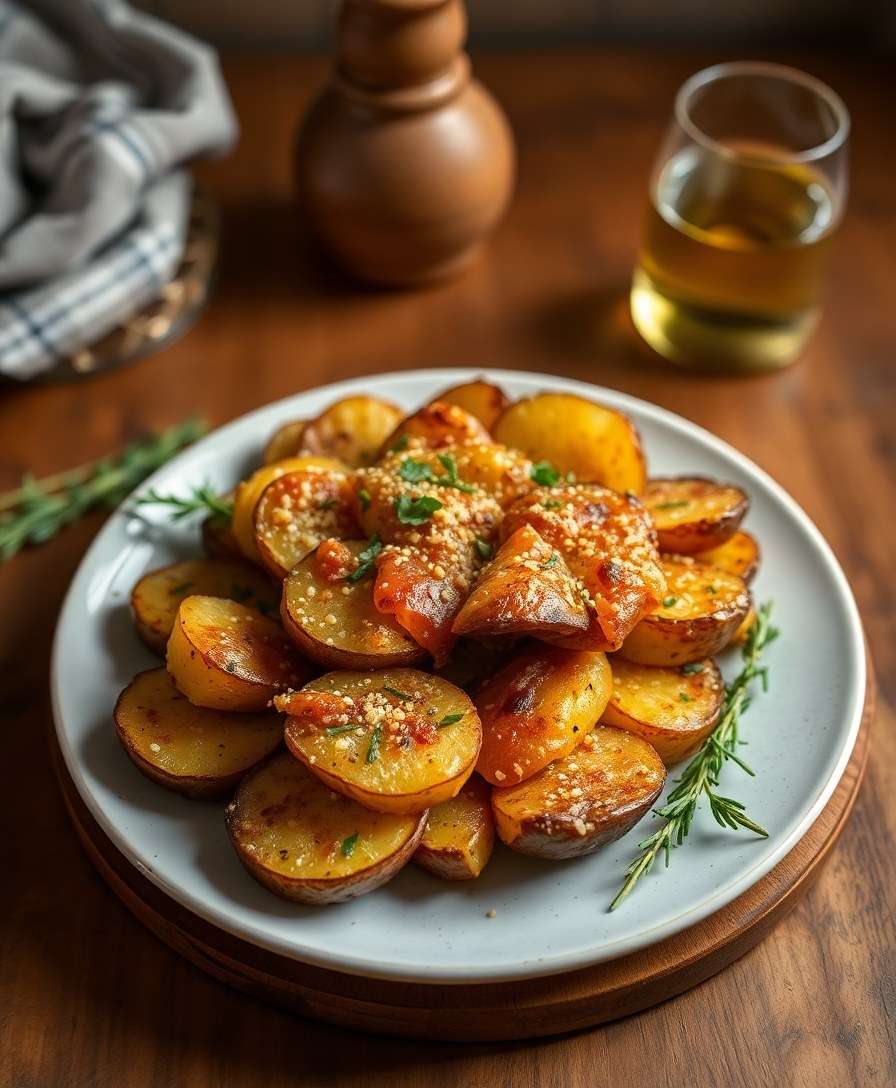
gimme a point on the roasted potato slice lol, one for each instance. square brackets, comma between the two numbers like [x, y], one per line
[538, 708]
[396, 741]
[229, 657]
[480, 398]
[595, 443]
[352, 430]
[249, 492]
[692, 514]
[332, 618]
[297, 511]
[585, 800]
[527, 589]
[190, 749]
[673, 709]
[434, 426]
[284, 442]
[156, 598]
[306, 843]
[701, 611]
[738, 555]
[459, 835]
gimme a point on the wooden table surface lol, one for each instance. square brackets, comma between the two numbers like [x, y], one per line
[87, 997]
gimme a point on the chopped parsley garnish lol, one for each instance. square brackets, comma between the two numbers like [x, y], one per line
[692, 669]
[552, 562]
[552, 504]
[418, 472]
[327, 504]
[335, 730]
[413, 472]
[668, 602]
[452, 479]
[450, 719]
[348, 845]
[365, 559]
[373, 750]
[364, 498]
[671, 505]
[544, 473]
[416, 511]
[483, 549]
[684, 697]
[401, 444]
[399, 694]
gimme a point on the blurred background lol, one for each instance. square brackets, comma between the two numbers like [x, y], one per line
[843, 24]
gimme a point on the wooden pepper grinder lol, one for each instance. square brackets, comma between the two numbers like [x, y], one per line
[404, 162]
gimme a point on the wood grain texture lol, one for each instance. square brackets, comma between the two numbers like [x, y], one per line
[87, 996]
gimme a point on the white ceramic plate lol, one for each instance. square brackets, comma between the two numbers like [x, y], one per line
[550, 916]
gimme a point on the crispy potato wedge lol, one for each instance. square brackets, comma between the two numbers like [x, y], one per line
[527, 589]
[585, 800]
[692, 514]
[608, 542]
[284, 442]
[229, 657]
[738, 555]
[480, 398]
[192, 750]
[702, 609]
[352, 430]
[596, 443]
[396, 741]
[334, 620]
[433, 426]
[249, 492]
[297, 511]
[306, 843]
[538, 708]
[459, 834]
[673, 709]
[156, 598]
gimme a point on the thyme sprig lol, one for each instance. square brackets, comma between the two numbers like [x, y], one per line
[37, 510]
[701, 776]
[199, 500]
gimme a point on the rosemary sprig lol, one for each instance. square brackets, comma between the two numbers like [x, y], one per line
[37, 510]
[200, 499]
[701, 776]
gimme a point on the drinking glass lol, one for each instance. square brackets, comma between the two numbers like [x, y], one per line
[746, 195]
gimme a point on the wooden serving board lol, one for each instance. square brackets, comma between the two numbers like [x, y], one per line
[510, 1010]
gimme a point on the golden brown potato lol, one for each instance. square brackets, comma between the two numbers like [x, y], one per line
[480, 398]
[396, 741]
[693, 514]
[434, 426]
[229, 657]
[673, 709]
[332, 618]
[595, 443]
[156, 598]
[249, 492]
[459, 835]
[306, 843]
[738, 555]
[538, 708]
[284, 442]
[702, 609]
[351, 430]
[190, 749]
[585, 800]
[527, 589]
[297, 511]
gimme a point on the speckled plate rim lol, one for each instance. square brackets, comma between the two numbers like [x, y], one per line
[256, 423]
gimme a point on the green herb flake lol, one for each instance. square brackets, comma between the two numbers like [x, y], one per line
[416, 511]
[692, 669]
[364, 498]
[450, 719]
[483, 549]
[401, 444]
[348, 845]
[671, 505]
[327, 504]
[670, 602]
[683, 697]
[399, 694]
[544, 473]
[552, 562]
[414, 472]
[552, 504]
[712, 589]
[365, 559]
[336, 730]
[373, 749]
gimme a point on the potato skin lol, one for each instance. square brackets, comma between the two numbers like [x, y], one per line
[697, 624]
[693, 514]
[610, 781]
[739, 555]
[282, 803]
[151, 706]
[361, 637]
[672, 709]
[284, 442]
[434, 426]
[157, 595]
[596, 443]
[460, 834]
[537, 708]
[225, 656]
[480, 398]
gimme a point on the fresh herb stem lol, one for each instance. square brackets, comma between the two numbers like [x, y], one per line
[201, 499]
[37, 510]
[701, 776]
